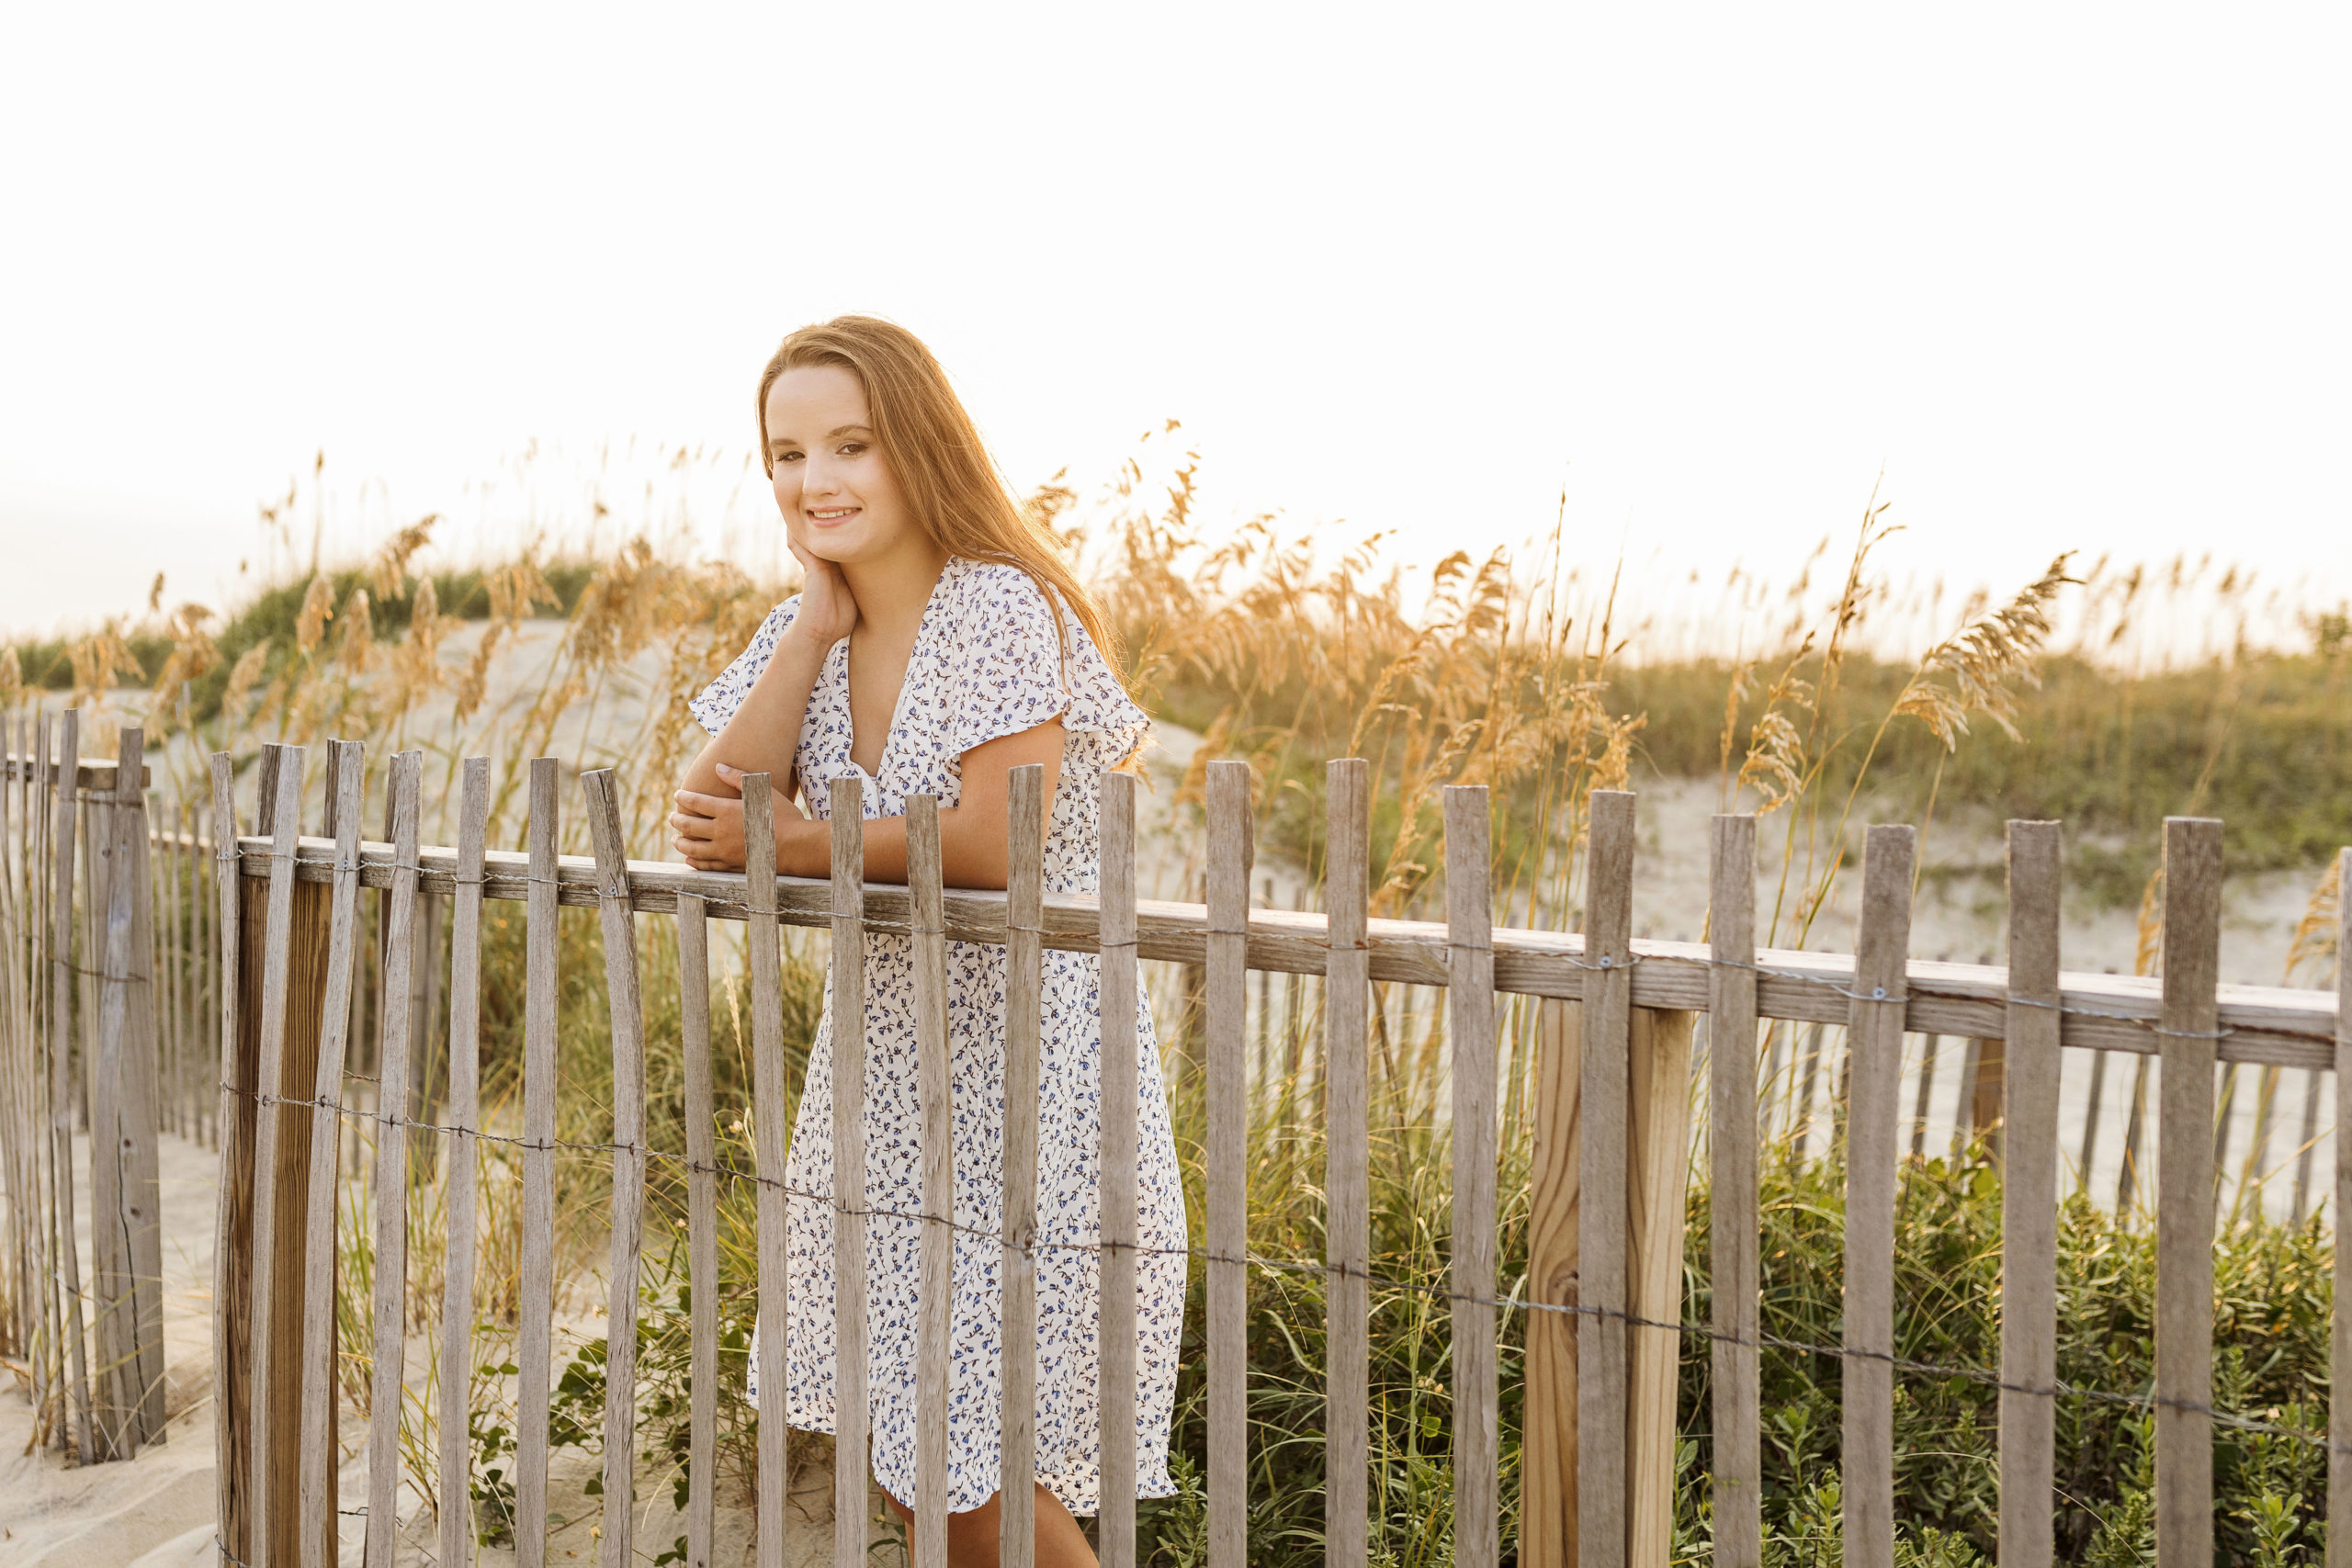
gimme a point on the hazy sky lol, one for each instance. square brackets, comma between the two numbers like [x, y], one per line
[2070, 276]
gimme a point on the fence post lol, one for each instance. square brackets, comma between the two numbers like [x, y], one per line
[1732, 1194]
[347, 776]
[2185, 1199]
[1875, 1038]
[625, 992]
[1347, 1078]
[1470, 1037]
[232, 1123]
[853, 1412]
[463, 1168]
[61, 1056]
[1658, 1107]
[765, 961]
[535, 1332]
[2339, 1404]
[1226, 941]
[2029, 1200]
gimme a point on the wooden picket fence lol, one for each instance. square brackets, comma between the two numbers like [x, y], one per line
[1603, 1320]
[104, 986]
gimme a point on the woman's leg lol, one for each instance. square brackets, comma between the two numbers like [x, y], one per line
[972, 1537]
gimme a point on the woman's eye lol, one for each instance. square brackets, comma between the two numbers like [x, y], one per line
[851, 448]
[787, 457]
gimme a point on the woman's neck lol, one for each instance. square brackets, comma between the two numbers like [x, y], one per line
[893, 591]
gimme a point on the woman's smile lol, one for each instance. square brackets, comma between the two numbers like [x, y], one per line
[821, 515]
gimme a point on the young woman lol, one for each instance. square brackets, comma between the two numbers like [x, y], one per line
[939, 642]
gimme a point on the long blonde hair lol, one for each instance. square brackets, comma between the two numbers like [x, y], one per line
[934, 450]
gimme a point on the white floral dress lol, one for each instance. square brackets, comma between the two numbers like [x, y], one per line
[986, 664]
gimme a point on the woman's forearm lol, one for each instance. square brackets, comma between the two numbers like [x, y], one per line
[764, 731]
[974, 847]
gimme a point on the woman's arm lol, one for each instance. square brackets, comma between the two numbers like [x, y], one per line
[974, 834]
[764, 733]
[766, 730]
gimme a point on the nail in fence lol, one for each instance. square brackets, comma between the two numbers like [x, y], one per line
[1605, 1212]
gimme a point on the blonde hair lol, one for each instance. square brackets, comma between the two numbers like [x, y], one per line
[958, 497]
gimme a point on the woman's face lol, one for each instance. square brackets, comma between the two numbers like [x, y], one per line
[840, 500]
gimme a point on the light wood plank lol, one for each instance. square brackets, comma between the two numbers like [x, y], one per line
[2192, 932]
[1470, 1029]
[1547, 1497]
[139, 1302]
[624, 994]
[1738, 1481]
[2116, 1012]
[768, 1133]
[702, 1228]
[935, 1250]
[1024, 1024]
[1116, 1525]
[61, 1100]
[388, 1387]
[462, 1196]
[2029, 1200]
[1346, 1162]
[317, 1470]
[2339, 1400]
[1606, 1067]
[277, 956]
[853, 1415]
[113, 833]
[1226, 1178]
[1874, 1126]
[535, 1330]
[228, 1453]
[1658, 1130]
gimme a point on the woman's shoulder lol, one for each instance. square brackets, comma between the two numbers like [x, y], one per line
[996, 585]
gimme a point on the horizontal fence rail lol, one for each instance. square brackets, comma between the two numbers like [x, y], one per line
[2261, 1025]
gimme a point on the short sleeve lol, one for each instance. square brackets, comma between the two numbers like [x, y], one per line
[723, 696]
[1007, 672]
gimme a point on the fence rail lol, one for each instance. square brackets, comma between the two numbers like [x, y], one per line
[2258, 1024]
[284, 958]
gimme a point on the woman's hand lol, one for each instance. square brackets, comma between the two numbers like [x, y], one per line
[827, 609]
[709, 828]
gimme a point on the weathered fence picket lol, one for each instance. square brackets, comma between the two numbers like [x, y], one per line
[937, 1255]
[317, 1476]
[1470, 1017]
[1881, 966]
[1604, 1099]
[388, 1381]
[763, 960]
[1738, 1492]
[2030, 1200]
[1226, 1177]
[1347, 996]
[1117, 1219]
[1025, 886]
[628, 1013]
[463, 1165]
[2185, 1203]
[535, 1332]
[2339, 1403]
[850, 1188]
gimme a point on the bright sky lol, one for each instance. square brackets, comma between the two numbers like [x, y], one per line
[2070, 276]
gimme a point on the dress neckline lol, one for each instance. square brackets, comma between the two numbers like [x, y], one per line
[906, 679]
